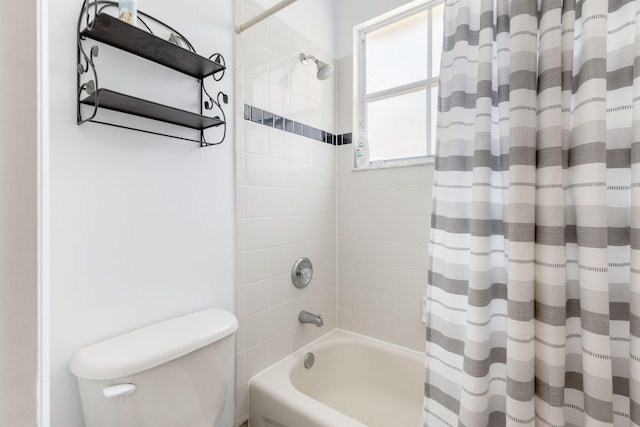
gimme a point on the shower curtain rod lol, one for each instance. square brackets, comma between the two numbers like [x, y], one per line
[267, 13]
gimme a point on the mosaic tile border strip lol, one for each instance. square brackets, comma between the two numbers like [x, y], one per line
[272, 120]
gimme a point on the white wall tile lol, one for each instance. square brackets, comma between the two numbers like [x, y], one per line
[323, 155]
[413, 228]
[278, 99]
[412, 282]
[256, 170]
[278, 38]
[240, 336]
[256, 138]
[410, 335]
[279, 172]
[315, 114]
[261, 233]
[363, 299]
[242, 402]
[346, 318]
[299, 44]
[258, 328]
[344, 99]
[346, 296]
[241, 234]
[283, 344]
[257, 359]
[325, 273]
[281, 290]
[414, 201]
[286, 200]
[240, 301]
[384, 278]
[409, 308]
[298, 148]
[256, 202]
[364, 322]
[412, 255]
[385, 303]
[383, 218]
[256, 297]
[279, 202]
[315, 88]
[297, 107]
[239, 53]
[239, 170]
[241, 269]
[240, 371]
[300, 175]
[344, 158]
[239, 94]
[279, 71]
[240, 202]
[284, 316]
[385, 328]
[279, 144]
[258, 265]
[283, 257]
[344, 121]
[328, 104]
[256, 90]
[298, 83]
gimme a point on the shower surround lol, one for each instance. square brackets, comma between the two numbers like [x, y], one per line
[286, 195]
[366, 232]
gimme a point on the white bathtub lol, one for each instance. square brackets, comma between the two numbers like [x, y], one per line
[355, 382]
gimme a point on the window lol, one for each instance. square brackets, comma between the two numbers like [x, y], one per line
[397, 64]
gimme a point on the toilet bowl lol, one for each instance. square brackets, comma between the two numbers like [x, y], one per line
[170, 374]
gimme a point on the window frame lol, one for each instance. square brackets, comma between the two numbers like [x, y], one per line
[362, 98]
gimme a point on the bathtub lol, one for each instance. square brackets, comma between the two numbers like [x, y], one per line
[355, 382]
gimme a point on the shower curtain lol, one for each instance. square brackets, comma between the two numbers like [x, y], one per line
[534, 269]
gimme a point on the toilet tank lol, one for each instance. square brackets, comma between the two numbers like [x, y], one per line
[170, 374]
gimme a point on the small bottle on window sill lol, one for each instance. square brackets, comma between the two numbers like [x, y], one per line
[362, 151]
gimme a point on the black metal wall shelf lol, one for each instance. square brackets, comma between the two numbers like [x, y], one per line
[107, 29]
[114, 32]
[122, 103]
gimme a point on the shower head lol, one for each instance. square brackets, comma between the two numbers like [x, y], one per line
[324, 70]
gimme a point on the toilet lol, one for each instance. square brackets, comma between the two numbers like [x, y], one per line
[170, 374]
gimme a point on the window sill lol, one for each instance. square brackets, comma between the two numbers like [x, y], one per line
[396, 164]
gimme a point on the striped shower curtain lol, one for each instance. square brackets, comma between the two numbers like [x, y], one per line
[534, 277]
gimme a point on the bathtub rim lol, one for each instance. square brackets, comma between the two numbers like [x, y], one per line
[271, 382]
[337, 331]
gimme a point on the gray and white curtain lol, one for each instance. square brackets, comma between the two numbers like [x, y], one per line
[534, 284]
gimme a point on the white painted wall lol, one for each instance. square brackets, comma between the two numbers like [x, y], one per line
[142, 227]
[330, 23]
[18, 213]
[314, 19]
[349, 13]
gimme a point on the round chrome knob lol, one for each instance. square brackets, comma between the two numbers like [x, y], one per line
[302, 272]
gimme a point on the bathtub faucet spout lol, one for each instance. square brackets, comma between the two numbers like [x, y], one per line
[306, 317]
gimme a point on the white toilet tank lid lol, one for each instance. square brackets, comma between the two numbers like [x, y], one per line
[153, 345]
